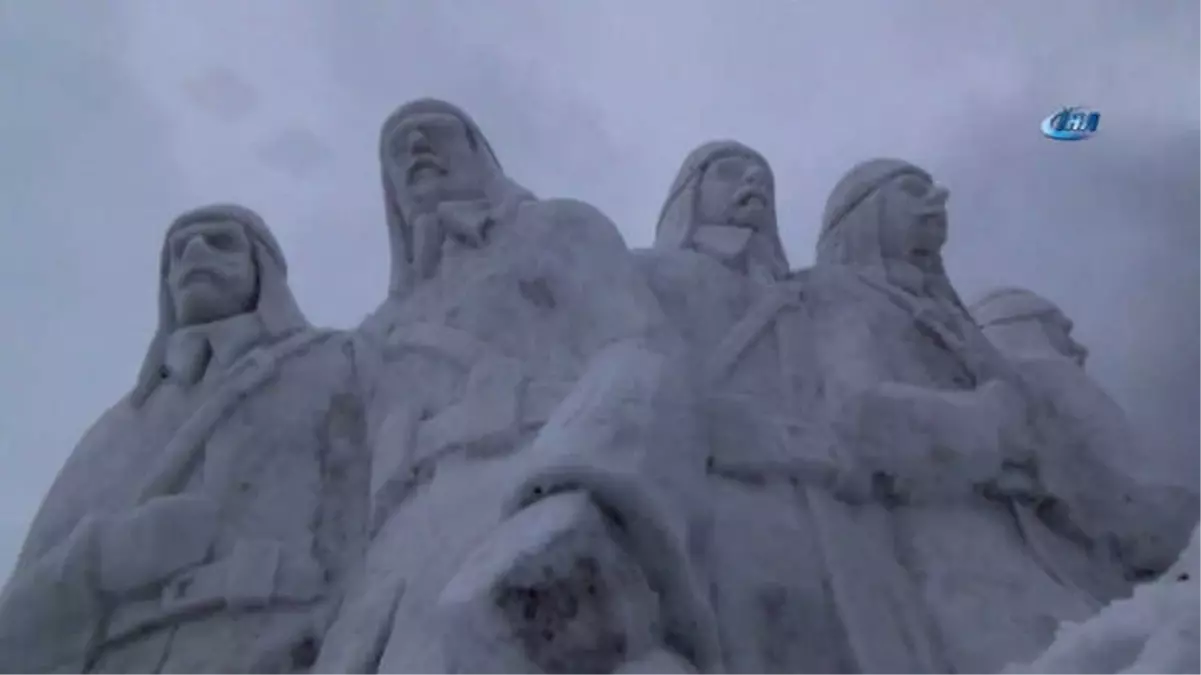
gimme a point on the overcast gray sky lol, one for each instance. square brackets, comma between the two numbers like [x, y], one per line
[115, 116]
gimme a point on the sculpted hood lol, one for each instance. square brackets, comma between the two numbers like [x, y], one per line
[677, 219]
[853, 228]
[499, 190]
[275, 305]
[851, 223]
[1015, 319]
[1006, 305]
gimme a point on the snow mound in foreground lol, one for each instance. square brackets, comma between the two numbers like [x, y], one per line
[1153, 631]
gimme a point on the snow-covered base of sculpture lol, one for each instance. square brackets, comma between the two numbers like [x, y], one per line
[1156, 630]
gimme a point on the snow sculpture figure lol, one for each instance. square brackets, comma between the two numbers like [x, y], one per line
[203, 523]
[921, 401]
[532, 460]
[1157, 630]
[1090, 460]
[720, 272]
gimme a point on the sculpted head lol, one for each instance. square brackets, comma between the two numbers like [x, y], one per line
[432, 152]
[736, 191]
[1023, 324]
[211, 272]
[434, 159]
[218, 261]
[722, 203]
[886, 211]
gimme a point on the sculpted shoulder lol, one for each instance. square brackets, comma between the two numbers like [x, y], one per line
[831, 287]
[684, 275]
[575, 221]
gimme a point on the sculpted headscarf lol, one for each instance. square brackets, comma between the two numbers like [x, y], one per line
[1005, 305]
[678, 220]
[999, 311]
[853, 219]
[850, 232]
[275, 306]
[500, 191]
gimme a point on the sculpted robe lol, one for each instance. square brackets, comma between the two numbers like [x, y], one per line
[920, 399]
[1091, 460]
[203, 523]
[767, 467]
[484, 337]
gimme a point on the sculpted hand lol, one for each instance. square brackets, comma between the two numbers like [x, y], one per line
[154, 541]
[51, 609]
[1006, 407]
[1017, 482]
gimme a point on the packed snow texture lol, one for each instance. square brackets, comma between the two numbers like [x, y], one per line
[545, 452]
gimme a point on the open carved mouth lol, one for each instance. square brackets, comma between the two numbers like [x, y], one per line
[423, 167]
[751, 199]
[921, 254]
[198, 274]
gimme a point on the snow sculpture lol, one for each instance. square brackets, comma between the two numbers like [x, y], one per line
[720, 272]
[1154, 631]
[203, 523]
[919, 399]
[530, 489]
[545, 453]
[1090, 460]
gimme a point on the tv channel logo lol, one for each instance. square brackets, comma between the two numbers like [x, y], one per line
[1073, 123]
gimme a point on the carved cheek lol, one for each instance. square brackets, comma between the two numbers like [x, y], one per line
[396, 176]
[716, 198]
[243, 269]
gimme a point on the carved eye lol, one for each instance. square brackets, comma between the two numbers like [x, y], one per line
[222, 241]
[914, 187]
[730, 169]
[398, 149]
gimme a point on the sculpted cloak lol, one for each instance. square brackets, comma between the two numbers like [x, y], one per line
[1090, 460]
[936, 418]
[204, 522]
[747, 324]
[522, 353]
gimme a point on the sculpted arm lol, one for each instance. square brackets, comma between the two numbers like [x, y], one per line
[1143, 522]
[902, 440]
[79, 554]
[77, 489]
[52, 607]
[927, 443]
[1149, 539]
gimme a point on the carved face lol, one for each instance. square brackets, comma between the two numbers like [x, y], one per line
[736, 190]
[211, 272]
[915, 221]
[1058, 329]
[434, 158]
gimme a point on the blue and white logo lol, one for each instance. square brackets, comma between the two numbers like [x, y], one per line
[1071, 124]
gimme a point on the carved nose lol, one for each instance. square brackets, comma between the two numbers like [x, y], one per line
[753, 175]
[937, 198]
[418, 143]
[1080, 352]
[196, 247]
